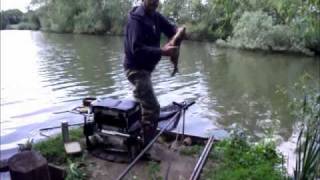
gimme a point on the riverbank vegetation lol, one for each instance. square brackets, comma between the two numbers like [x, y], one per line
[10, 17]
[273, 25]
[53, 149]
[306, 108]
[236, 158]
[308, 144]
[15, 19]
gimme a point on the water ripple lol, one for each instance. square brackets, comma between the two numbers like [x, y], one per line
[234, 89]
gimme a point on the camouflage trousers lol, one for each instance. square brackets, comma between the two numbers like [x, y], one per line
[144, 94]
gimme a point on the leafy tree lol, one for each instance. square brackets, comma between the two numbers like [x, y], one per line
[4, 20]
[205, 20]
[12, 16]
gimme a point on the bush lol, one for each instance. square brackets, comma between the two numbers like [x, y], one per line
[200, 31]
[83, 24]
[309, 30]
[27, 25]
[252, 30]
[256, 30]
[10, 17]
[237, 159]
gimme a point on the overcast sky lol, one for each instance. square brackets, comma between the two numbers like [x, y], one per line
[15, 4]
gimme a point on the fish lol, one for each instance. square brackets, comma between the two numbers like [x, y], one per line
[176, 41]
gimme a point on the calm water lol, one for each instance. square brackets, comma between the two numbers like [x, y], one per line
[43, 73]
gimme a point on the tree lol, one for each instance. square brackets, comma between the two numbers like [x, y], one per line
[12, 16]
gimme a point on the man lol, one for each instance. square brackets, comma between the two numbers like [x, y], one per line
[142, 53]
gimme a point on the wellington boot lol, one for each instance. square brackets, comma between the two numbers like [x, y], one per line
[148, 134]
[149, 157]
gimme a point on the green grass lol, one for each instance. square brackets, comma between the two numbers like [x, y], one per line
[53, 148]
[192, 150]
[76, 171]
[308, 145]
[153, 170]
[237, 159]
[230, 159]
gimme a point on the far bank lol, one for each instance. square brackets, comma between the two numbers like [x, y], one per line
[272, 27]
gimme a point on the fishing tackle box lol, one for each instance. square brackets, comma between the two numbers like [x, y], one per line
[114, 124]
[117, 114]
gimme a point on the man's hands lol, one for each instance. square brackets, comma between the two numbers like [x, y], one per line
[169, 50]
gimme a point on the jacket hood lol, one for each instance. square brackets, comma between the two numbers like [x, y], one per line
[138, 13]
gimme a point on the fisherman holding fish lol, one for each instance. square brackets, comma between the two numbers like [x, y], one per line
[142, 54]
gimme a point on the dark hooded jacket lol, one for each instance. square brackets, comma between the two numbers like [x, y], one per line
[142, 39]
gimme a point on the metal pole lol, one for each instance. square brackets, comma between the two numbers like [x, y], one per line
[55, 127]
[196, 172]
[65, 131]
[203, 161]
[183, 122]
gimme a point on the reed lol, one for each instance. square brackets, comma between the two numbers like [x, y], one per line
[308, 144]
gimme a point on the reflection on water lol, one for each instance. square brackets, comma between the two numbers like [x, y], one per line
[42, 73]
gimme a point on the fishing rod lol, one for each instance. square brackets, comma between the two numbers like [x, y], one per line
[56, 127]
[202, 159]
[145, 149]
[81, 110]
[76, 110]
[125, 172]
[183, 117]
[176, 139]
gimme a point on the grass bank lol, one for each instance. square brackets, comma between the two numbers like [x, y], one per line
[234, 158]
[237, 159]
[53, 149]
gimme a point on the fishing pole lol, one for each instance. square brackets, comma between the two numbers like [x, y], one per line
[202, 159]
[176, 139]
[56, 127]
[122, 175]
[146, 149]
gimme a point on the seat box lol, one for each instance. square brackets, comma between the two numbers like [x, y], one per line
[115, 113]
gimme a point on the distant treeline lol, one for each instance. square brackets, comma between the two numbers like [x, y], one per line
[277, 25]
[15, 19]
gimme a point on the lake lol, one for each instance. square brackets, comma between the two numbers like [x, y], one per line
[45, 73]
